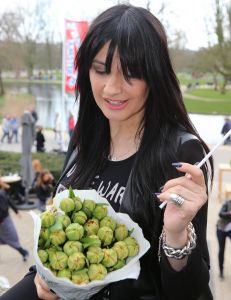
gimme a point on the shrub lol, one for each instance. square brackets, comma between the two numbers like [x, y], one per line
[10, 162]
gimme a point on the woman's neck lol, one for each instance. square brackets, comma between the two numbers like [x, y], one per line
[125, 141]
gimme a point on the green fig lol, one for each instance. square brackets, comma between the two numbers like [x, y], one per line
[110, 258]
[95, 254]
[109, 222]
[121, 232]
[47, 219]
[97, 272]
[67, 205]
[74, 232]
[58, 260]
[100, 212]
[79, 217]
[80, 277]
[72, 246]
[105, 234]
[133, 246]
[76, 261]
[91, 227]
[65, 273]
[43, 255]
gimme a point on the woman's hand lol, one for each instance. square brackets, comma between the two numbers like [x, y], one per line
[176, 218]
[43, 289]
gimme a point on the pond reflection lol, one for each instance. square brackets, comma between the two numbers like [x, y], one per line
[48, 102]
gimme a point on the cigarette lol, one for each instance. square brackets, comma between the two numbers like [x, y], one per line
[163, 204]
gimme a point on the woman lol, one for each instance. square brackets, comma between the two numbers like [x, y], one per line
[43, 187]
[132, 126]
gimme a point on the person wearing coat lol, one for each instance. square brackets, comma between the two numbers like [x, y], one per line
[223, 232]
[8, 233]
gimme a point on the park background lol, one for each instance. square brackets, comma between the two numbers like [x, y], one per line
[31, 35]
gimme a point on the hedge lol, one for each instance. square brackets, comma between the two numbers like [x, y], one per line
[10, 162]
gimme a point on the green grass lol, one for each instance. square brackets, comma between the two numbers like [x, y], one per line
[211, 102]
[184, 81]
[205, 107]
[211, 94]
[22, 80]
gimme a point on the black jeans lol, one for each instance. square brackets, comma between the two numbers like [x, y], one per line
[221, 236]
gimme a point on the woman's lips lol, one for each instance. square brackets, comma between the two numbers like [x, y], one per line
[115, 104]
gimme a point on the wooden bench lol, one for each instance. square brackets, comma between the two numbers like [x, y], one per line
[228, 191]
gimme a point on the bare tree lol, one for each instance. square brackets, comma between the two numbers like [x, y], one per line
[9, 48]
[222, 50]
[32, 32]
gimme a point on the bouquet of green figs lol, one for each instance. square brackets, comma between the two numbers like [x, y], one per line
[82, 244]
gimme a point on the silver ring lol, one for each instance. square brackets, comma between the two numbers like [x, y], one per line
[177, 199]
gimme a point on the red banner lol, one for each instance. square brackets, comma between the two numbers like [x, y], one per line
[74, 35]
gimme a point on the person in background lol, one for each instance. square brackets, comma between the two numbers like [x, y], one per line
[225, 128]
[134, 144]
[40, 140]
[44, 187]
[71, 124]
[34, 114]
[6, 128]
[8, 233]
[14, 127]
[37, 168]
[223, 232]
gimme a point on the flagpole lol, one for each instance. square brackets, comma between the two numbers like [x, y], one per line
[63, 87]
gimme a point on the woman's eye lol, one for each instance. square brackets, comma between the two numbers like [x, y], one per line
[101, 72]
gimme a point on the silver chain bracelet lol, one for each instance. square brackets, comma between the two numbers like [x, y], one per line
[178, 253]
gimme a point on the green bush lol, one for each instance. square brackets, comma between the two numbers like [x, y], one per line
[10, 162]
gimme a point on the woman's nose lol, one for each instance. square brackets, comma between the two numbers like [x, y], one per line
[113, 84]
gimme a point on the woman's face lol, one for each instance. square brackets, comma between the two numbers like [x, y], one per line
[118, 99]
[46, 177]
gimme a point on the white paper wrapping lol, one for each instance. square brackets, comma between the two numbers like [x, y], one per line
[67, 290]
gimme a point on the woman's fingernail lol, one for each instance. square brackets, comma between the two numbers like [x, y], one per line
[177, 164]
[52, 291]
[157, 194]
[161, 188]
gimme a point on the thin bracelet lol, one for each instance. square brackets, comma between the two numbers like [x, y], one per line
[178, 253]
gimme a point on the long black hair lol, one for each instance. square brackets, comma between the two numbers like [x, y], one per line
[141, 42]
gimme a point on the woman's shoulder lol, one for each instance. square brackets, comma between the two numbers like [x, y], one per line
[190, 148]
[184, 136]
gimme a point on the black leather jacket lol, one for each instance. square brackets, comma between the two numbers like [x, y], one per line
[157, 280]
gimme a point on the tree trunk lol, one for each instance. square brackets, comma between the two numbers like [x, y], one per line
[1, 85]
[215, 82]
[223, 87]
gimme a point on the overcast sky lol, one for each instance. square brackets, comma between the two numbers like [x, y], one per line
[188, 16]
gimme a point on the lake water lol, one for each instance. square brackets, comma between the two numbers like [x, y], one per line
[48, 102]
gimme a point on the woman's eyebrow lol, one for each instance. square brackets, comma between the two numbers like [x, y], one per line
[96, 61]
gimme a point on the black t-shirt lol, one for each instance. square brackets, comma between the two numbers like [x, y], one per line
[110, 183]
